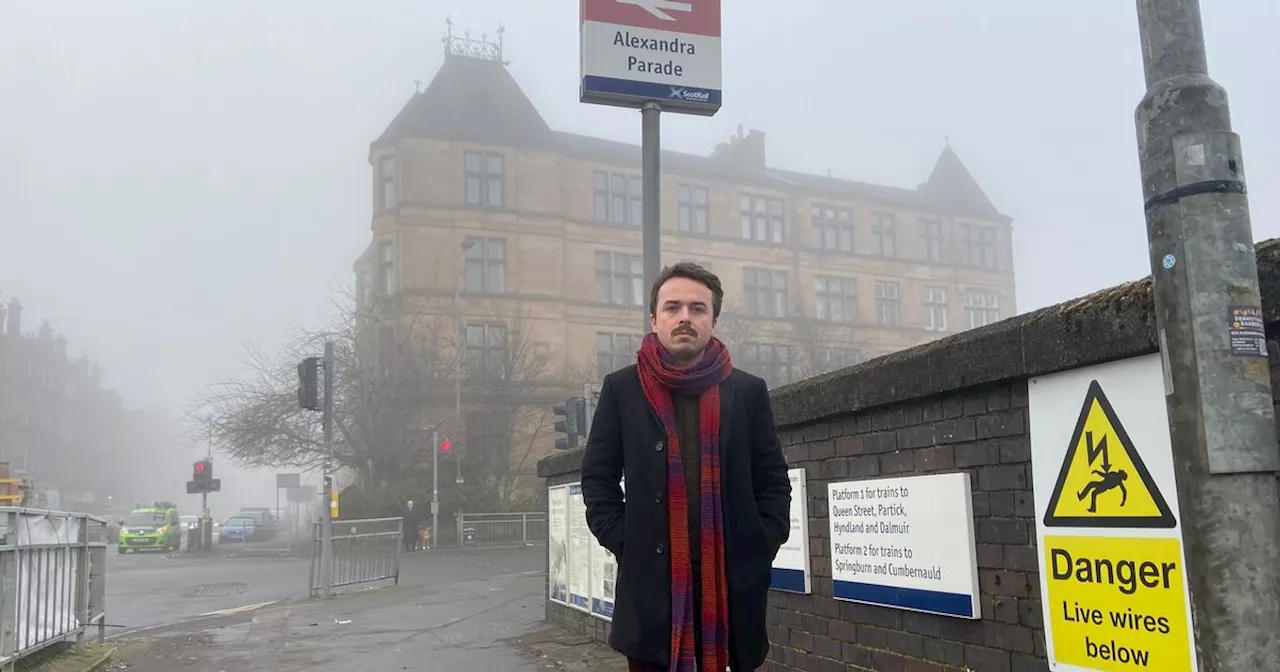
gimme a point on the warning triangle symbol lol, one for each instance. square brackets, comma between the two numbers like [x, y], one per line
[1103, 481]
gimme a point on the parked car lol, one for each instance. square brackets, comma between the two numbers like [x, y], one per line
[156, 528]
[241, 529]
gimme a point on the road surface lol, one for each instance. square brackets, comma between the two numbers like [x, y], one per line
[145, 590]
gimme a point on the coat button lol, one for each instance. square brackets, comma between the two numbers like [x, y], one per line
[658, 446]
[661, 547]
[657, 499]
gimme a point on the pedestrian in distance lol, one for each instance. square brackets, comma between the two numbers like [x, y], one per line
[410, 526]
[707, 494]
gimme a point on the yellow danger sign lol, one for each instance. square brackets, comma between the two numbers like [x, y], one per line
[1117, 604]
[1103, 481]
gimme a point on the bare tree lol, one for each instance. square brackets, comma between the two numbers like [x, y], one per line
[510, 379]
[528, 434]
[736, 329]
[390, 375]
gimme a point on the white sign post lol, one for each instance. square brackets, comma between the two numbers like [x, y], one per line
[1112, 568]
[652, 55]
[791, 571]
[905, 543]
[638, 51]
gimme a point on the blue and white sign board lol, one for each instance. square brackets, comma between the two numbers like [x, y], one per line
[664, 51]
[604, 578]
[558, 544]
[791, 564]
[905, 543]
[579, 551]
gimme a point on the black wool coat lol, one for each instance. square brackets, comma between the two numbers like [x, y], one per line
[627, 438]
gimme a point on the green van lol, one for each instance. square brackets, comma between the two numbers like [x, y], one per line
[151, 528]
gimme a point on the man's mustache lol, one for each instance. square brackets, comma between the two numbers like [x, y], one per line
[684, 330]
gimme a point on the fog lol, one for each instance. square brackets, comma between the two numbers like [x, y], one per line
[182, 180]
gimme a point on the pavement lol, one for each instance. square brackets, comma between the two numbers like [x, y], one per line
[475, 623]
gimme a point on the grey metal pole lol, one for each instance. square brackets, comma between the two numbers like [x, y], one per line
[651, 154]
[459, 364]
[206, 524]
[435, 487]
[1218, 387]
[326, 520]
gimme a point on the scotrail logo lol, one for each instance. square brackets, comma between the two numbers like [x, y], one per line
[690, 95]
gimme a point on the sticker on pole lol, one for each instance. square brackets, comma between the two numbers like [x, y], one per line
[1103, 481]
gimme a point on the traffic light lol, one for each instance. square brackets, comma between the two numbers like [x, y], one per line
[202, 480]
[580, 413]
[202, 471]
[309, 384]
[446, 445]
[573, 411]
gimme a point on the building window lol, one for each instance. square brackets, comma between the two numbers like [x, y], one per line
[888, 304]
[364, 287]
[486, 352]
[614, 351]
[487, 265]
[387, 183]
[931, 239]
[487, 435]
[386, 268]
[832, 228]
[935, 308]
[486, 175]
[835, 299]
[693, 202]
[884, 235]
[762, 218]
[620, 278]
[978, 245]
[618, 199]
[982, 306]
[764, 292]
[826, 360]
[771, 362]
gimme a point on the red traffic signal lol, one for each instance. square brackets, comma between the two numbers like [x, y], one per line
[199, 466]
[446, 446]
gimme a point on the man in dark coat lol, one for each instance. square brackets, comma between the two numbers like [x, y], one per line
[669, 425]
[410, 529]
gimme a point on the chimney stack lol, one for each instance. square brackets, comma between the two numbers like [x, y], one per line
[747, 150]
[14, 323]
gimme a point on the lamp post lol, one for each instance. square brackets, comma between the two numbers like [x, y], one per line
[459, 351]
[1217, 378]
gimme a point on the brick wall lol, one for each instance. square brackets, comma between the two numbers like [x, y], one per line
[956, 404]
[982, 430]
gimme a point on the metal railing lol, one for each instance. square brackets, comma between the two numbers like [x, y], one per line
[502, 529]
[364, 551]
[52, 580]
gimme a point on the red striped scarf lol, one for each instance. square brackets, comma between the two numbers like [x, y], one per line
[660, 377]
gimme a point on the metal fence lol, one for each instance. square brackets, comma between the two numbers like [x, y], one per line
[52, 580]
[364, 551]
[502, 529]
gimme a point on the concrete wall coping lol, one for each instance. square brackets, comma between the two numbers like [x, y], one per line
[560, 463]
[1107, 325]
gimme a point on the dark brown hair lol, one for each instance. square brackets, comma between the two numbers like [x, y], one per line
[694, 272]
